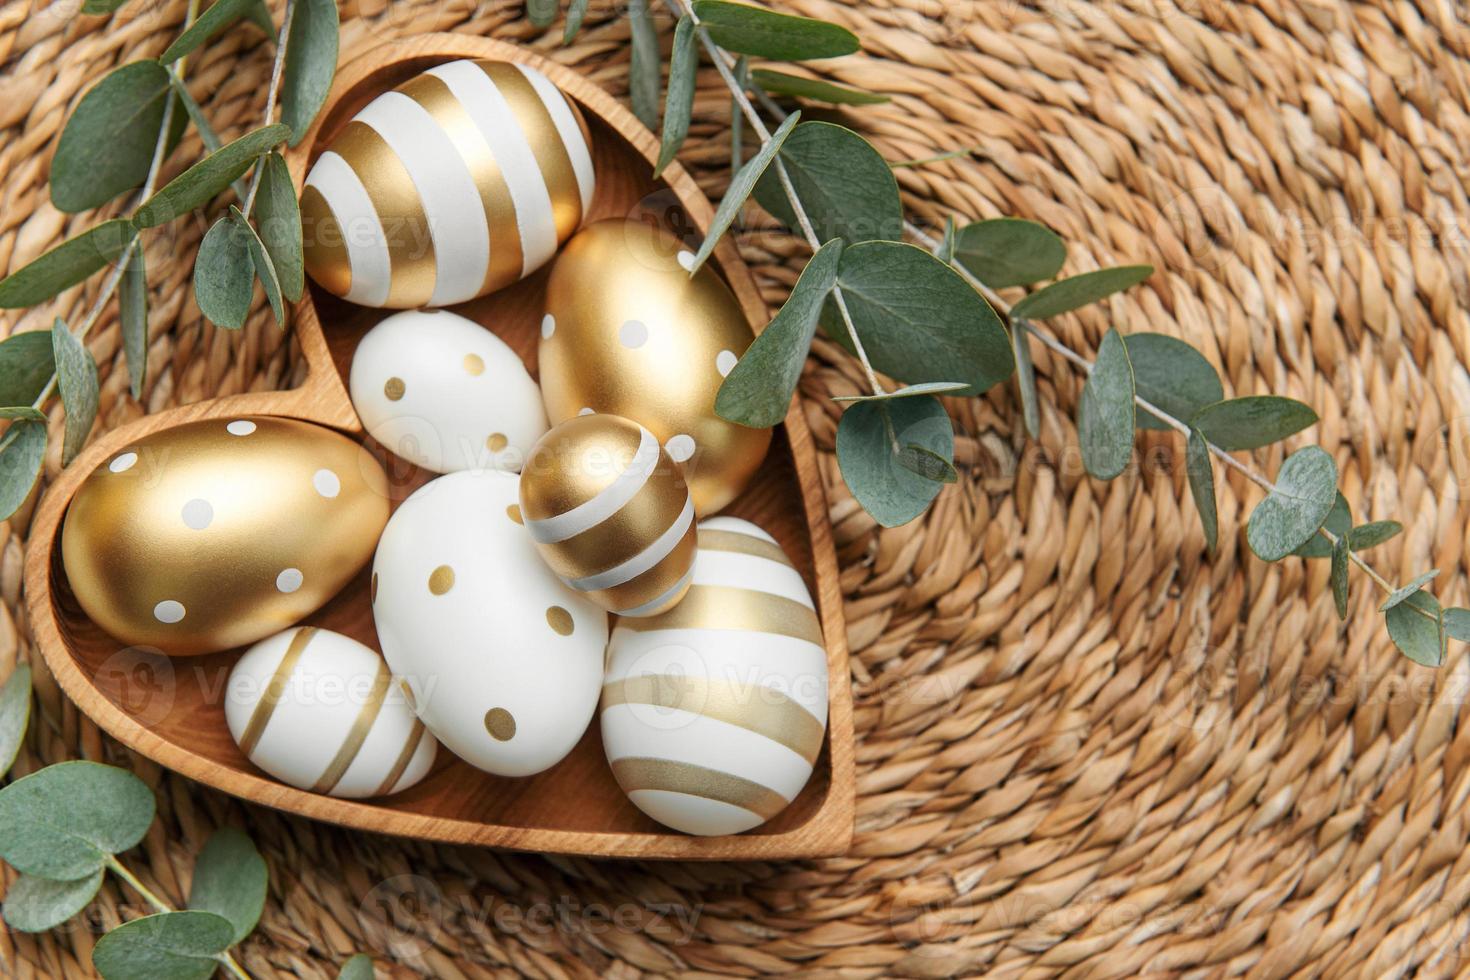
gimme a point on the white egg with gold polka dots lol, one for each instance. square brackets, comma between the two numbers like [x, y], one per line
[322, 712]
[502, 661]
[445, 393]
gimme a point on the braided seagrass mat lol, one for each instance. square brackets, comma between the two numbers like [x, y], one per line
[1083, 749]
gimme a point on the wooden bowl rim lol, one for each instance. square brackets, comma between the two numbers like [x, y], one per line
[323, 399]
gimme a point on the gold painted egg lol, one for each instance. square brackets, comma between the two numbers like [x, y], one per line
[629, 332]
[611, 514]
[458, 182]
[218, 533]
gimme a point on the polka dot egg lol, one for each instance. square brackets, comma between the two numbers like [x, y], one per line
[445, 393]
[220, 532]
[502, 661]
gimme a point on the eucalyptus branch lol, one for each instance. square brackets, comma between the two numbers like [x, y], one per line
[159, 905]
[277, 67]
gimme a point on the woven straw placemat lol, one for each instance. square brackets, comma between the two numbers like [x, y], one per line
[1082, 747]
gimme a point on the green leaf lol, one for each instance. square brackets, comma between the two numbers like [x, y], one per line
[65, 265]
[945, 252]
[1201, 474]
[1400, 594]
[1253, 421]
[1069, 294]
[740, 187]
[1339, 577]
[262, 265]
[230, 880]
[22, 412]
[99, 7]
[918, 320]
[1457, 624]
[643, 65]
[15, 714]
[21, 453]
[359, 967]
[679, 102]
[207, 135]
[1105, 415]
[62, 821]
[132, 307]
[908, 391]
[780, 83]
[1171, 375]
[108, 143]
[76, 377]
[869, 438]
[220, 15]
[845, 187]
[26, 365]
[311, 61]
[1339, 522]
[1416, 628]
[927, 463]
[36, 904]
[758, 389]
[1306, 488]
[223, 274]
[541, 12]
[1026, 377]
[199, 184]
[576, 13]
[278, 218]
[166, 946]
[1366, 536]
[1005, 252]
[780, 37]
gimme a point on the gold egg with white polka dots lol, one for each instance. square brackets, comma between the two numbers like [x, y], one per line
[628, 331]
[220, 532]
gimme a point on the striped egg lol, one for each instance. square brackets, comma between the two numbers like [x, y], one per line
[458, 182]
[320, 711]
[610, 513]
[714, 712]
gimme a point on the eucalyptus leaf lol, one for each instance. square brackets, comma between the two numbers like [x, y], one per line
[1201, 473]
[1306, 488]
[908, 391]
[132, 309]
[15, 714]
[576, 13]
[1400, 594]
[61, 822]
[278, 219]
[918, 320]
[21, 452]
[1339, 578]
[541, 12]
[869, 438]
[679, 102]
[1366, 536]
[845, 187]
[1253, 421]
[1005, 252]
[815, 90]
[1026, 377]
[359, 967]
[1416, 628]
[1105, 415]
[758, 390]
[99, 7]
[66, 265]
[22, 412]
[1078, 291]
[108, 143]
[1171, 375]
[199, 184]
[36, 904]
[165, 946]
[766, 34]
[230, 879]
[223, 274]
[220, 15]
[311, 61]
[945, 252]
[1339, 522]
[26, 365]
[740, 187]
[643, 64]
[262, 264]
[76, 377]
[1457, 624]
[927, 463]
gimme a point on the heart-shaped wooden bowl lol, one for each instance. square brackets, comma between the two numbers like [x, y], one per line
[172, 711]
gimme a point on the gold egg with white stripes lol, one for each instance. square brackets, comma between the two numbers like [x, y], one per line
[714, 713]
[321, 712]
[460, 181]
[610, 513]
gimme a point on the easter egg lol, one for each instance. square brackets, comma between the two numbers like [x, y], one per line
[456, 183]
[320, 711]
[444, 393]
[502, 661]
[629, 332]
[713, 713]
[217, 533]
[610, 513]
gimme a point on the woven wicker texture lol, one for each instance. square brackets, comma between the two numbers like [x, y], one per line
[1083, 748]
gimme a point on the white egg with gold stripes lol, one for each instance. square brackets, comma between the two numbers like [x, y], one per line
[460, 181]
[714, 713]
[321, 712]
